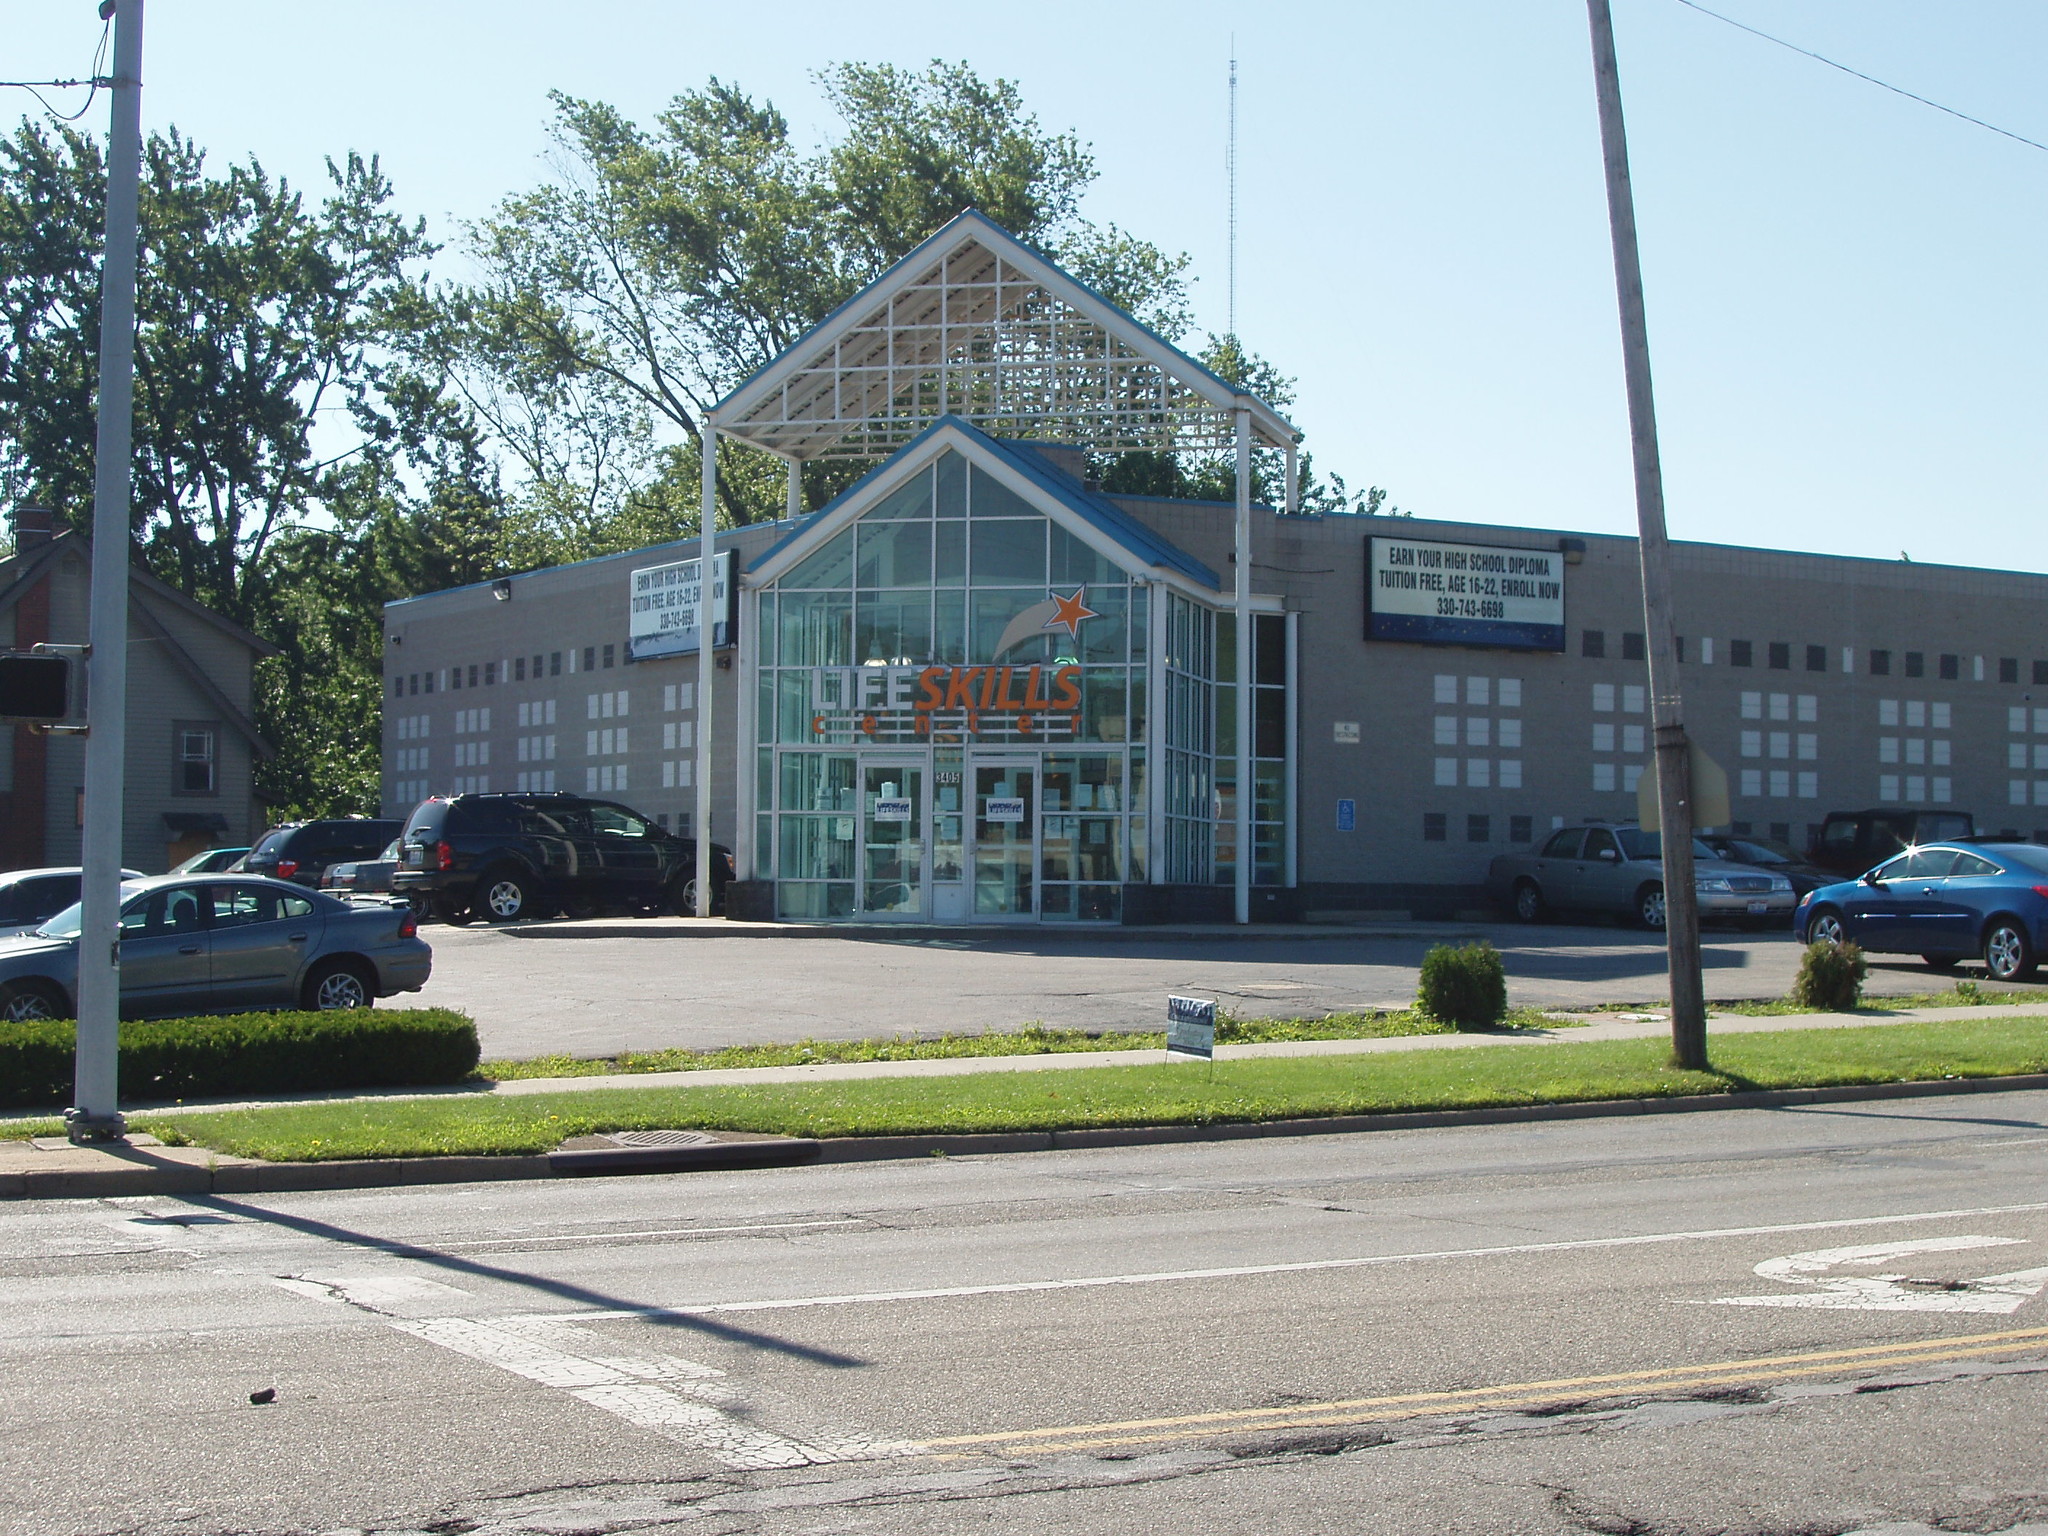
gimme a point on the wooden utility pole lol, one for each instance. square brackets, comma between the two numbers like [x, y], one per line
[1673, 755]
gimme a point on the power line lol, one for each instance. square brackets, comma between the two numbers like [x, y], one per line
[95, 80]
[1896, 90]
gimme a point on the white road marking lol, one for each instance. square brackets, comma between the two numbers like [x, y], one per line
[1306, 1266]
[1892, 1293]
[602, 1237]
[679, 1399]
[375, 1293]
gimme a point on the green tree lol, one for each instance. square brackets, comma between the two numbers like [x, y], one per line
[257, 318]
[663, 265]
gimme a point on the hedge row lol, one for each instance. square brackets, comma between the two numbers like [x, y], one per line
[247, 1053]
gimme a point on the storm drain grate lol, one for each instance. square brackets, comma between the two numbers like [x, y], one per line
[662, 1138]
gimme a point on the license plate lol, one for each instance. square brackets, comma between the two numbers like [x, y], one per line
[1758, 908]
[415, 858]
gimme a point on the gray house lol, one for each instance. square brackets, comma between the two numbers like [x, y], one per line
[191, 740]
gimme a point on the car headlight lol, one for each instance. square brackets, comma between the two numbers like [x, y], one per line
[1780, 883]
[1715, 885]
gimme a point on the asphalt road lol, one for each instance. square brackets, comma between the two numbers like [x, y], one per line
[1814, 1321]
[592, 996]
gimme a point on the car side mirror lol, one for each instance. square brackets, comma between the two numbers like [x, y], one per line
[1870, 878]
[1608, 855]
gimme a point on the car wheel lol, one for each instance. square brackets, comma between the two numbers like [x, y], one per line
[337, 984]
[1529, 904]
[22, 1001]
[2007, 954]
[1826, 928]
[1941, 962]
[1650, 907]
[504, 897]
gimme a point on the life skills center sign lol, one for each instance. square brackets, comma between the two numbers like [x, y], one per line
[1464, 594]
[663, 618]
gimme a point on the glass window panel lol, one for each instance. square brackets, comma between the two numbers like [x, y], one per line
[1056, 901]
[1102, 637]
[992, 613]
[764, 639]
[1226, 723]
[1138, 851]
[912, 499]
[952, 474]
[1134, 729]
[1074, 561]
[895, 554]
[817, 847]
[817, 629]
[992, 498]
[817, 781]
[1226, 648]
[831, 566]
[950, 561]
[1103, 704]
[1269, 800]
[894, 628]
[1098, 903]
[1010, 553]
[793, 900]
[1140, 600]
[949, 632]
[1269, 722]
[793, 707]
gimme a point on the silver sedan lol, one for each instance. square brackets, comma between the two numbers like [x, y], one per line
[223, 944]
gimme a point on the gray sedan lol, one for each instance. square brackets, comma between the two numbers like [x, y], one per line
[223, 944]
[1621, 870]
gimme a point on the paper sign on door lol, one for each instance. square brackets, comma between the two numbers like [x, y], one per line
[1002, 810]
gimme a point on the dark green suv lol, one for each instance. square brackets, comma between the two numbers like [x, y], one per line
[501, 857]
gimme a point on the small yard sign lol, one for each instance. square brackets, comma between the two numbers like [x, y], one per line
[1191, 1027]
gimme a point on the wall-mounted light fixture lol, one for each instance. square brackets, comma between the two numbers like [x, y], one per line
[501, 589]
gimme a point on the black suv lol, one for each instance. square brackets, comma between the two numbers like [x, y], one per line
[301, 850]
[500, 857]
[1852, 841]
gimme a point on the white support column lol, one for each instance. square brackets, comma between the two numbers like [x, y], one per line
[1243, 607]
[746, 734]
[795, 507]
[707, 663]
[1293, 503]
[1155, 737]
[1292, 841]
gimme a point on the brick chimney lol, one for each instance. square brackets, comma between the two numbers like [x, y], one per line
[33, 526]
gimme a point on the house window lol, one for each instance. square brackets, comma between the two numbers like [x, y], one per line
[1433, 826]
[1816, 658]
[519, 669]
[554, 664]
[1520, 829]
[1478, 829]
[195, 757]
[1951, 668]
[472, 674]
[490, 674]
[607, 655]
[1631, 646]
[1593, 642]
[1880, 663]
[590, 658]
[2008, 669]
[1739, 653]
[1916, 664]
[1781, 656]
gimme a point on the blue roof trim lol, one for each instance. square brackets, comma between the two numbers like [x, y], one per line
[1147, 547]
[976, 216]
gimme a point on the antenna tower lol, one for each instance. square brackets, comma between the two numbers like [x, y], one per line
[1230, 166]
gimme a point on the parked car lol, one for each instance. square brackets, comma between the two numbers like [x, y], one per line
[1944, 903]
[1850, 842]
[500, 856]
[30, 897]
[1769, 854]
[362, 877]
[302, 851]
[1620, 870]
[213, 861]
[219, 944]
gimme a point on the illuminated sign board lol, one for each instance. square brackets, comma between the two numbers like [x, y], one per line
[662, 619]
[1464, 594]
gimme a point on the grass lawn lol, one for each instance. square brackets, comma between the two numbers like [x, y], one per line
[1177, 1094]
[1032, 1040]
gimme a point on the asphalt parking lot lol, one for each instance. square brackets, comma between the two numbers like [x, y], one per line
[595, 989]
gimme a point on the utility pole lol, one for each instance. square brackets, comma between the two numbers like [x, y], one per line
[1673, 757]
[95, 1114]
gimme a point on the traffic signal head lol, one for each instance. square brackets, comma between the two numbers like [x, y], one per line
[34, 690]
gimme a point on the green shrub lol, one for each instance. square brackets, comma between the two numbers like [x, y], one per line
[248, 1053]
[1830, 977]
[1464, 985]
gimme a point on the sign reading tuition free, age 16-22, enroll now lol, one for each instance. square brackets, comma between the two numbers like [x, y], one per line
[1464, 594]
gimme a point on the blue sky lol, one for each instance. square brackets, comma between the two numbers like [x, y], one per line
[1845, 297]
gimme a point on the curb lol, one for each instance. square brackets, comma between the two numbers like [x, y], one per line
[1256, 933]
[157, 1176]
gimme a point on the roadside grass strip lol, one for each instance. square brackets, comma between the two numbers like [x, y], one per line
[1964, 994]
[1230, 1092]
[1031, 1040]
[1519, 1396]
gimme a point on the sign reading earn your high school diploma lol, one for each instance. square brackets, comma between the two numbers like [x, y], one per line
[662, 619]
[1191, 1027]
[1464, 594]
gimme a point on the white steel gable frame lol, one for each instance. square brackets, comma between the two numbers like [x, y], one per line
[975, 324]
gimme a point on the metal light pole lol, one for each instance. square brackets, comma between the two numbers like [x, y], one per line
[707, 634]
[95, 1114]
[1241, 601]
[1674, 769]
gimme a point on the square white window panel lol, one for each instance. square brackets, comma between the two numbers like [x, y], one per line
[1508, 693]
[1603, 698]
[1781, 706]
[1942, 791]
[1781, 783]
[1752, 743]
[1632, 698]
[1446, 688]
[1632, 738]
[1511, 773]
[1447, 730]
[1446, 770]
[1752, 781]
[1808, 706]
[1603, 737]
[1478, 731]
[1887, 711]
[1478, 773]
[1809, 747]
[1479, 691]
[1752, 706]
[1511, 732]
[1603, 776]
[1809, 786]
[1888, 787]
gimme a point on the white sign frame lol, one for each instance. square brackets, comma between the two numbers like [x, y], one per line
[662, 603]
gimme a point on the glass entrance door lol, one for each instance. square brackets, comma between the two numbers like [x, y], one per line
[892, 862]
[1005, 835]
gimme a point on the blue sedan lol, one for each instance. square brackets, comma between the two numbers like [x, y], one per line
[1944, 902]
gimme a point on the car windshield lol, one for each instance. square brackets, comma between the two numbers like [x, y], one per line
[71, 921]
[1750, 850]
[1638, 844]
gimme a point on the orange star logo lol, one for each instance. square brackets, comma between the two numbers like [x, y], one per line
[1068, 612]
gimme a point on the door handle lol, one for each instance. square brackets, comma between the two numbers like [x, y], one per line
[296, 938]
[188, 949]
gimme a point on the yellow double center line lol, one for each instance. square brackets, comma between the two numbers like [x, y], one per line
[1513, 1394]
